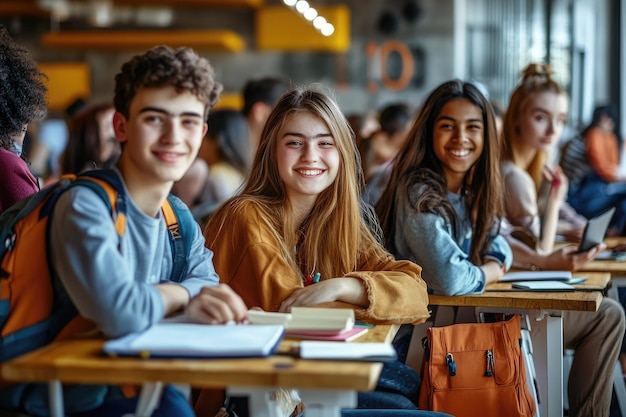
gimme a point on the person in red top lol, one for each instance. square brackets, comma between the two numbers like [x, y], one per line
[605, 186]
[22, 100]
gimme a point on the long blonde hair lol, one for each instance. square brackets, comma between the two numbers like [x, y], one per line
[334, 235]
[536, 78]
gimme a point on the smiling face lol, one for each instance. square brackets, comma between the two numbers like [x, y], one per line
[307, 158]
[542, 119]
[162, 135]
[458, 140]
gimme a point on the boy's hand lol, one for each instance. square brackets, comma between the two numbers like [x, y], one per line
[217, 305]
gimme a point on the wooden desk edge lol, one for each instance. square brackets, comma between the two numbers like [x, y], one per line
[81, 361]
[590, 301]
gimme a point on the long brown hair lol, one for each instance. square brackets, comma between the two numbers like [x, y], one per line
[84, 141]
[536, 78]
[334, 235]
[417, 163]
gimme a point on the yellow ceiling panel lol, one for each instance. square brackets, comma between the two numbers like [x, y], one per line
[230, 100]
[283, 29]
[218, 40]
[194, 3]
[67, 81]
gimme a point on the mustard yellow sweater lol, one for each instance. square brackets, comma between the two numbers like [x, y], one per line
[248, 258]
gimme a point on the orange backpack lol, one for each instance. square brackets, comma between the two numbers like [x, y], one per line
[475, 369]
[34, 307]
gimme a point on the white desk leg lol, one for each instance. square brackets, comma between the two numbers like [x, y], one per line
[319, 402]
[327, 403]
[260, 402]
[55, 396]
[547, 336]
[148, 398]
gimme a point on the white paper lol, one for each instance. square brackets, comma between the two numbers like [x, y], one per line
[536, 276]
[543, 286]
[376, 352]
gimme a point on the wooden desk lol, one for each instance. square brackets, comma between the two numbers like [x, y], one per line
[615, 240]
[545, 312]
[329, 385]
[616, 268]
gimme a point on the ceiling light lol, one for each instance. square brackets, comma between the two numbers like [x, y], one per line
[328, 29]
[302, 6]
[310, 14]
[319, 22]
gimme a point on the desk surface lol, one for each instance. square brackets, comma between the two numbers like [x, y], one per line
[81, 361]
[500, 295]
[605, 266]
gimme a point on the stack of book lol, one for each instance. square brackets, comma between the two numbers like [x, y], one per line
[331, 324]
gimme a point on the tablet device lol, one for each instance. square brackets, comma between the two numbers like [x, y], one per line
[595, 230]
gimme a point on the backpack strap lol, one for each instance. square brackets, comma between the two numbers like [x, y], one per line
[108, 185]
[180, 226]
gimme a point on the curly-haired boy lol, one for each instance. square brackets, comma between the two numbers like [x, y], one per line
[162, 98]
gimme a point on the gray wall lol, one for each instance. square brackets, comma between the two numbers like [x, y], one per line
[434, 34]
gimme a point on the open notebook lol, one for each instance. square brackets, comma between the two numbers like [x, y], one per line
[198, 341]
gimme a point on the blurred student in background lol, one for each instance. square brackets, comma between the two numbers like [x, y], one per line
[384, 144]
[364, 125]
[533, 124]
[22, 100]
[226, 151]
[92, 143]
[378, 151]
[49, 142]
[259, 97]
[605, 186]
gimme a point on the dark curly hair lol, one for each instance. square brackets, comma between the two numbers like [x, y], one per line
[161, 66]
[22, 89]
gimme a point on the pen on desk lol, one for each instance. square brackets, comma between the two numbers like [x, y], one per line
[316, 278]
